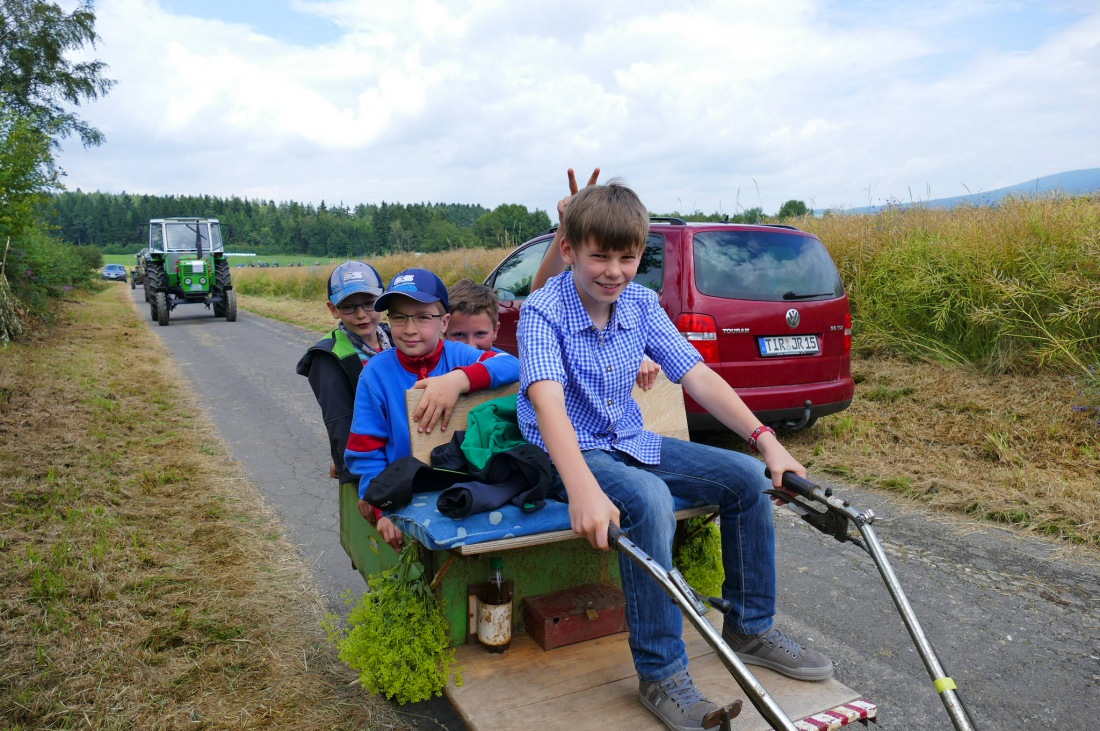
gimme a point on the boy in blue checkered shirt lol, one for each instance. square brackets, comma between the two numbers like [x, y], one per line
[581, 340]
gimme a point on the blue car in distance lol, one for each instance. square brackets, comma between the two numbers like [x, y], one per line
[115, 272]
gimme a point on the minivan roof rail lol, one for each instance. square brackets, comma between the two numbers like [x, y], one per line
[674, 220]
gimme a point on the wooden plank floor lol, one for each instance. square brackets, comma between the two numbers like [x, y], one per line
[592, 685]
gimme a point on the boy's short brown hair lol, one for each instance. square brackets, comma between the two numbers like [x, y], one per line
[611, 214]
[471, 298]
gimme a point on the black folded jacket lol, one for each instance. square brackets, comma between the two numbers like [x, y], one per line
[450, 456]
[521, 476]
[394, 486]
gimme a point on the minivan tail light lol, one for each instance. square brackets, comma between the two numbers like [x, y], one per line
[847, 332]
[702, 332]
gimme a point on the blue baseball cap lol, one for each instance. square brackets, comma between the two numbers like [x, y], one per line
[419, 284]
[353, 277]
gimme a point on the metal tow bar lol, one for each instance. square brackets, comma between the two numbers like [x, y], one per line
[833, 520]
[691, 602]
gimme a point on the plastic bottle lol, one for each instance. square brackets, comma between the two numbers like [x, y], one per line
[494, 610]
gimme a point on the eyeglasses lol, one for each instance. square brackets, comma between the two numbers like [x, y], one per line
[367, 307]
[421, 320]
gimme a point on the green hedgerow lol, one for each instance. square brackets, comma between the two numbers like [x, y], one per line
[397, 636]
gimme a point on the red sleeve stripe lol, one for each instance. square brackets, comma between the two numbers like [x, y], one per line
[364, 442]
[480, 379]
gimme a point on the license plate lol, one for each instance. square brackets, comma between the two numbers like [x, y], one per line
[789, 345]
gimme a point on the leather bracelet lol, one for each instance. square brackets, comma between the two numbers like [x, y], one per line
[764, 428]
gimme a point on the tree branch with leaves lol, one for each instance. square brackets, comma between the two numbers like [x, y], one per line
[38, 79]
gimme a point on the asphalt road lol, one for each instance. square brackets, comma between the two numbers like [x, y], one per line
[1015, 620]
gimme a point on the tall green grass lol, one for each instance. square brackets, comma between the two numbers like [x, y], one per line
[1009, 288]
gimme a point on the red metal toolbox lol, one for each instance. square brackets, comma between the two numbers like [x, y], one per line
[574, 615]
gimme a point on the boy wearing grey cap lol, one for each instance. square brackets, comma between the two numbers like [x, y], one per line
[334, 363]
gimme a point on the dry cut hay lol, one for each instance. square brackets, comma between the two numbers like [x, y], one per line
[1008, 448]
[144, 584]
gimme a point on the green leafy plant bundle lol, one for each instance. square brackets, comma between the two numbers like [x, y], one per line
[699, 556]
[396, 636]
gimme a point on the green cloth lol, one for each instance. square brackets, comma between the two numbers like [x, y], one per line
[491, 427]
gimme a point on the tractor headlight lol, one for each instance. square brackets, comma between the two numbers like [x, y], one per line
[202, 281]
[187, 281]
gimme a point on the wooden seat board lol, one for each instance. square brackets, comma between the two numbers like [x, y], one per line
[662, 411]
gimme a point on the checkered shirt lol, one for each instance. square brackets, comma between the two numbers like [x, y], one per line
[597, 368]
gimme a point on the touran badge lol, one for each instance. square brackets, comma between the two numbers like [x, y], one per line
[793, 318]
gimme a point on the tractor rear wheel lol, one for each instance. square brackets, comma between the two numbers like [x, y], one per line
[222, 284]
[155, 282]
[160, 303]
[230, 306]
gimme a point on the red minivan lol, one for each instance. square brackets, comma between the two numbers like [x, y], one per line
[763, 304]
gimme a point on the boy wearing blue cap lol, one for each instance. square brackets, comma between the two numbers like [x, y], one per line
[416, 304]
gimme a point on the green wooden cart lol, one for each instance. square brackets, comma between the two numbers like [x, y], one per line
[588, 685]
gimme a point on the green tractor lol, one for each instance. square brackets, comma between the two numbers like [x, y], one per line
[185, 263]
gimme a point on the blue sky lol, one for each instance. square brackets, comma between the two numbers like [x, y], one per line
[715, 105]
[275, 18]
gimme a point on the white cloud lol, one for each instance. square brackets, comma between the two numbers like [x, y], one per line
[699, 104]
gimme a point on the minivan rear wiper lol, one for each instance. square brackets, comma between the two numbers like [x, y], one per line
[797, 296]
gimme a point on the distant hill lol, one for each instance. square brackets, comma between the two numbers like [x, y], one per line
[1074, 182]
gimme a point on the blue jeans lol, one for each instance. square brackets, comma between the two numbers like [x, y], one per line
[643, 494]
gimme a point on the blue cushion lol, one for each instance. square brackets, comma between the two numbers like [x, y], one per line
[436, 531]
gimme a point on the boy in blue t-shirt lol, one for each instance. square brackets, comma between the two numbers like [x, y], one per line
[416, 306]
[582, 337]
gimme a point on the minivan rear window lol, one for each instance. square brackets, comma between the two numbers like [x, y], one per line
[768, 266]
[651, 268]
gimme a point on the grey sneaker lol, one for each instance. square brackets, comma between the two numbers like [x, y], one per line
[776, 651]
[676, 701]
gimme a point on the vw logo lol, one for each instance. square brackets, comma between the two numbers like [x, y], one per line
[793, 318]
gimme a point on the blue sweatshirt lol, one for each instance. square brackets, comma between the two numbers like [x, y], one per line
[380, 425]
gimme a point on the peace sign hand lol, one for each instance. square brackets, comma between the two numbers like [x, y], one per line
[573, 189]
